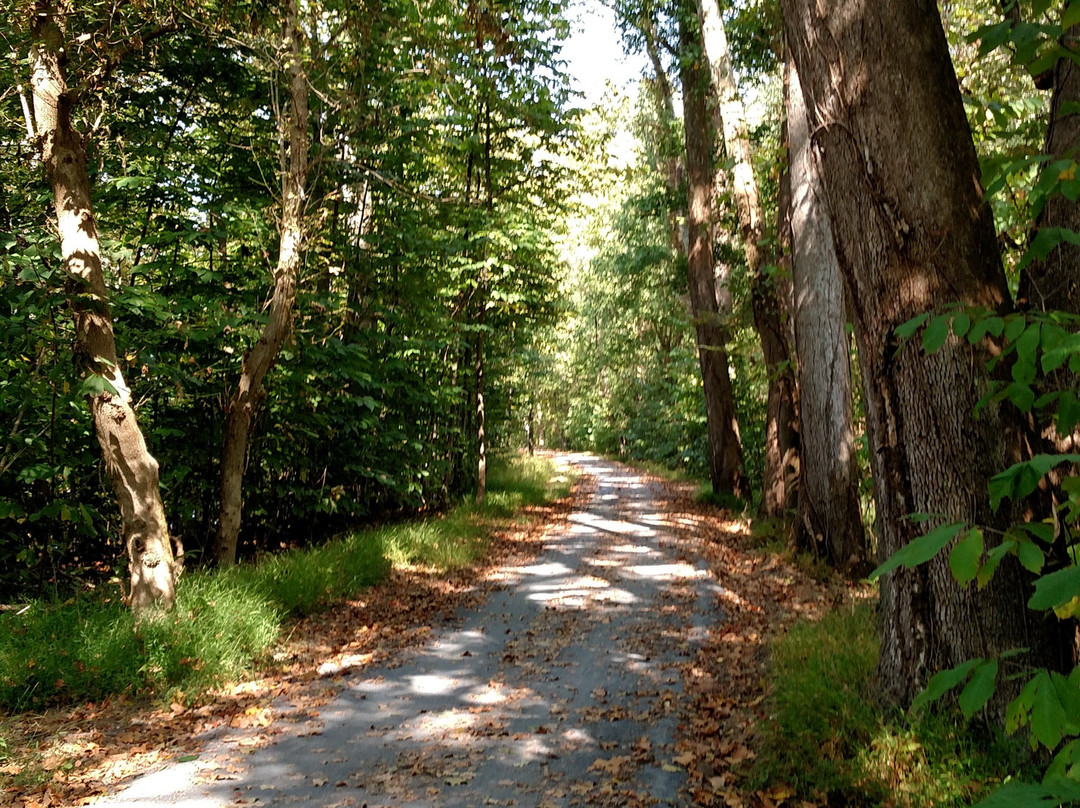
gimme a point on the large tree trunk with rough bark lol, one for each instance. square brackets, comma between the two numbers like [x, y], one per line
[829, 514]
[129, 465]
[911, 232]
[725, 448]
[260, 357]
[779, 485]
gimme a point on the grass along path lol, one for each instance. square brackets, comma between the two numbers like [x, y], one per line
[316, 612]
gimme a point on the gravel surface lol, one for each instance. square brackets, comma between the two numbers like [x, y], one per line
[563, 689]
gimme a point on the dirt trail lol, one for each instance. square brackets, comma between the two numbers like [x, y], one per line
[564, 688]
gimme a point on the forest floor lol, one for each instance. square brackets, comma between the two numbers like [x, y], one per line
[611, 651]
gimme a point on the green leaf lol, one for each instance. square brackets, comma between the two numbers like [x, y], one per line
[1068, 413]
[1069, 697]
[1039, 7]
[919, 550]
[1023, 373]
[1028, 342]
[1043, 531]
[993, 559]
[960, 324]
[1021, 395]
[1020, 795]
[94, 385]
[979, 689]
[1014, 327]
[1020, 479]
[1047, 713]
[1044, 242]
[944, 681]
[1055, 589]
[1031, 556]
[1064, 761]
[908, 329]
[1071, 16]
[937, 331]
[966, 555]
[994, 36]
[1065, 789]
[1018, 710]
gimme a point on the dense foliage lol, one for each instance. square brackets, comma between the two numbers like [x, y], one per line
[369, 407]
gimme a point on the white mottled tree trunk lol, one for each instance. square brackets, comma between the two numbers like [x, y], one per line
[129, 465]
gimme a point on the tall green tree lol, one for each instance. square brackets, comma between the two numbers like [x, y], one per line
[829, 512]
[771, 316]
[293, 127]
[725, 448]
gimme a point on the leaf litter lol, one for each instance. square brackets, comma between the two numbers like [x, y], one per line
[77, 755]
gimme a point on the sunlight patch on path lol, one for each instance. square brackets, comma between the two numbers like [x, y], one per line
[563, 689]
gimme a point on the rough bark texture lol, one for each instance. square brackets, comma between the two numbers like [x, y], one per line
[131, 469]
[911, 232]
[829, 515]
[725, 448]
[729, 120]
[1054, 283]
[260, 357]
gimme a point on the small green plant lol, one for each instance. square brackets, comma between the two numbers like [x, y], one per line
[828, 733]
[775, 536]
[720, 499]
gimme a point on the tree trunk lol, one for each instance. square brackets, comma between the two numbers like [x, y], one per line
[782, 473]
[670, 163]
[725, 448]
[829, 514]
[481, 444]
[729, 120]
[911, 232]
[1054, 283]
[260, 357]
[128, 463]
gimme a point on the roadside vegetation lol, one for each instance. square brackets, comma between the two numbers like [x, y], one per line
[829, 734]
[226, 621]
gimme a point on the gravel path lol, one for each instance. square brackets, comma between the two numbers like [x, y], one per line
[563, 689]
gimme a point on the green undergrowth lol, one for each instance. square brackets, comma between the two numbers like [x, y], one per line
[722, 499]
[829, 737]
[775, 536]
[224, 622]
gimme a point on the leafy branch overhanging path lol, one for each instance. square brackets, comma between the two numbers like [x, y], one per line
[619, 666]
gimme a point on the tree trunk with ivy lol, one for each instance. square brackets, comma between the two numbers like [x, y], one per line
[912, 232]
[261, 356]
[130, 467]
